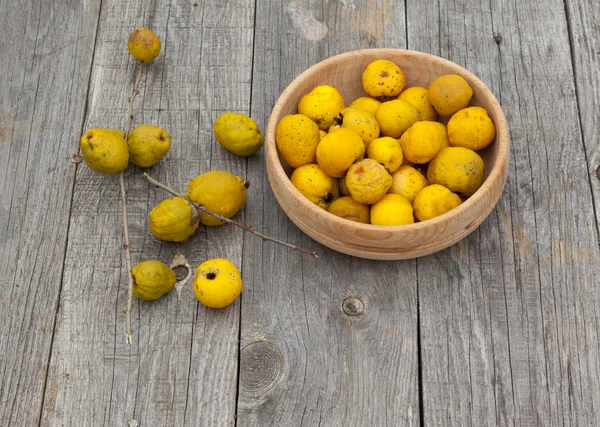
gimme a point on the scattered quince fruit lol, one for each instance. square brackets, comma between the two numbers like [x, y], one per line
[174, 220]
[459, 169]
[104, 150]
[348, 208]
[392, 209]
[152, 279]
[322, 104]
[449, 93]
[217, 283]
[315, 185]
[383, 78]
[338, 150]
[368, 181]
[238, 133]
[471, 128]
[434, 200]
[147, 145]
[297, 137]
[218, 191]
[143, 44]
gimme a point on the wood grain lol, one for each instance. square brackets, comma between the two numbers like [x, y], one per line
[182, 366]
[44, 72]
[583, 18]
[508, 317]
[335, 369]
[508, 327]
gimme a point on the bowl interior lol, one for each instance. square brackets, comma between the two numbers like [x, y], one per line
[344, 73]
[386, 242]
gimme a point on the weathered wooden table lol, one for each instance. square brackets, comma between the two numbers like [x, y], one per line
[500, 329]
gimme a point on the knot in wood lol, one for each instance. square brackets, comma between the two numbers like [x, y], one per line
[181, 271]
[352, 306]
[598, 172]
[261, 367]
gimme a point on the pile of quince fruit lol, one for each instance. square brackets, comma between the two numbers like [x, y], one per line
[392, 157]
[217, 282]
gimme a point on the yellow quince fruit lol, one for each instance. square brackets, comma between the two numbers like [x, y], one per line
[407, 182]
[238, 133]
[143, 44]
[449, 93]
[152, 279]
[434, 200]
[147, 145]
[421, 142]
[360, 121]
[387, 152]
[315, 185]
[343, 187]
[104, 150]
[395, 117]
[383, 78]
[338, 150]
[322, 104]
[419, 97]
[459, 169]
[471, 128]
[392, 209]
[368, 181]
[348, 208]
[365, 103]
[217, 283]
[443, 131]
[174, 220]
[297, 137]
[218, 191]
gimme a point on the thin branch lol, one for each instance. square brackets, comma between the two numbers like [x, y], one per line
[126, 244]
[225, 219]
[134, 93]
[128, 334]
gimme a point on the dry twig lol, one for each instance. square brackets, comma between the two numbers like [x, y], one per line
[126, 244]
[225, 219]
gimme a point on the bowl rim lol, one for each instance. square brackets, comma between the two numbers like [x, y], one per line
[498, 171]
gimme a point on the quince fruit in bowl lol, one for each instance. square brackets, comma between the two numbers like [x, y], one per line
[431, 232]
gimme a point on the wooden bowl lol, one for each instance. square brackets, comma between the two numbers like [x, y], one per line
[386, 242]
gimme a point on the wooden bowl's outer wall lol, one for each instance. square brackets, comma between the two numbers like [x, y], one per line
[377, 242]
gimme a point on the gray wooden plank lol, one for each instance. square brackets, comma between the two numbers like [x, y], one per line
[583, 19]
[303, 361]
[509, 316]
[46, 53]
[182, 366]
